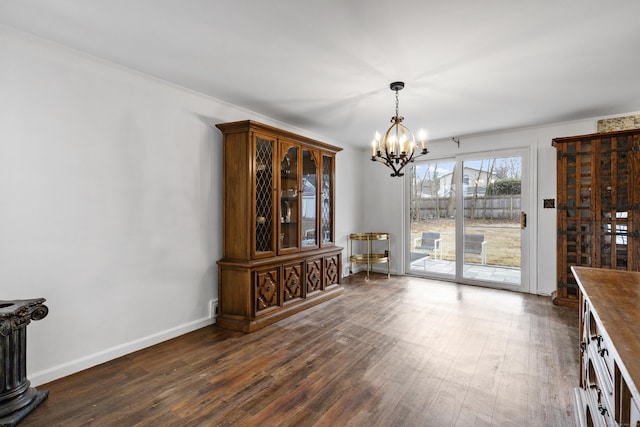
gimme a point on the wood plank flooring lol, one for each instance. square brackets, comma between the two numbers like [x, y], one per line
[389, 352]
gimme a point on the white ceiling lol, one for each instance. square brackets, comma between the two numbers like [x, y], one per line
[470, 66]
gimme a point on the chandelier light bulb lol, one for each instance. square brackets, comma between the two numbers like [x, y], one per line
[422, 136]
[391, 143]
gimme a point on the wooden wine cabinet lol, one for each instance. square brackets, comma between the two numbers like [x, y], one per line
[598, 211]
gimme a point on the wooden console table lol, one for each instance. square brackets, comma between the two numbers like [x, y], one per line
[610, 347]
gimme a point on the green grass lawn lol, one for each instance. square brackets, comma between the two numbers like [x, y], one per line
[502, 237]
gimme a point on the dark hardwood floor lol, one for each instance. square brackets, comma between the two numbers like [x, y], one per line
[389, 352]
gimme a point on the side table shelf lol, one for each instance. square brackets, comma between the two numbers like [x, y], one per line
[368, 256]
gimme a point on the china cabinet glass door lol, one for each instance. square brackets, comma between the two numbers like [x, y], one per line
[326, 215]
[309, 197]
[289, 205]
[264, 203]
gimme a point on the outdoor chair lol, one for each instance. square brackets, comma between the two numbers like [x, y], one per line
[474, 244]
[429, 242]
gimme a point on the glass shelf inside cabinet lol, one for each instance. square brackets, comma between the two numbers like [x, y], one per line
[289, 199]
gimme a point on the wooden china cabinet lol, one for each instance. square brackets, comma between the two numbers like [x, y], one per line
[279, 255]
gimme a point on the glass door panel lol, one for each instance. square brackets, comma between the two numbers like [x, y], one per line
[289, 206]
[264, 197]
[491, 237]
[476, 234]
[432, 218]
[309, 197]
[326, 217]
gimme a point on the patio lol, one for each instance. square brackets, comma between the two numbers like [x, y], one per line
[507, 275]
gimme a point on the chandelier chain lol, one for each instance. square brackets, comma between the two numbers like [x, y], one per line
[397, 103]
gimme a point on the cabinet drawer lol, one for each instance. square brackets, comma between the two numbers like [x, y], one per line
[605, 351]
[599, 341]
[587, 413]
[598, 388]
[598, 378]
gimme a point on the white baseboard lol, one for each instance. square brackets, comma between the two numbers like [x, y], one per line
[374, 269]
[77, 365]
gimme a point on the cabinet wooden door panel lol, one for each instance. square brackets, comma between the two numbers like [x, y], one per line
[267, 289]
[292, 282]
[331, 270]
[313, 276]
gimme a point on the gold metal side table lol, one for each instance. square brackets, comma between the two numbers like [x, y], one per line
[369, 256]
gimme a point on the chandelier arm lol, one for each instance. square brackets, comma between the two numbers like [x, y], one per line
[386, 146]
[389, 163]
[410, 158]
[395, 171]
[383, 160]
[385, 139]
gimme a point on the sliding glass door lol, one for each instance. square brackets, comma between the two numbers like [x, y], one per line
[467, 219]
[432, 218]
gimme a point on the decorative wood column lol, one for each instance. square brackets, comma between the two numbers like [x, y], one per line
[17, 398]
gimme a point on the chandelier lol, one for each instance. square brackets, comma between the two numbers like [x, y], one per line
[398, 146]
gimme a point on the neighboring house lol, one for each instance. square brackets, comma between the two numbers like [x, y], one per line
[470, 178]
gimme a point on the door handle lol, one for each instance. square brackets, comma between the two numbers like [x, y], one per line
[523, 220]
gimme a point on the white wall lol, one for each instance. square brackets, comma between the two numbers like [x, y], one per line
[384, 209]
[384, 196]
[349, 199]
[110, 193]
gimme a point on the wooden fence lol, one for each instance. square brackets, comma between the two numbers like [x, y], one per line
[481, 207]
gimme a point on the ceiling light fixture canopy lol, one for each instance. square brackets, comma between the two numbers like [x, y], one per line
[398, 146]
